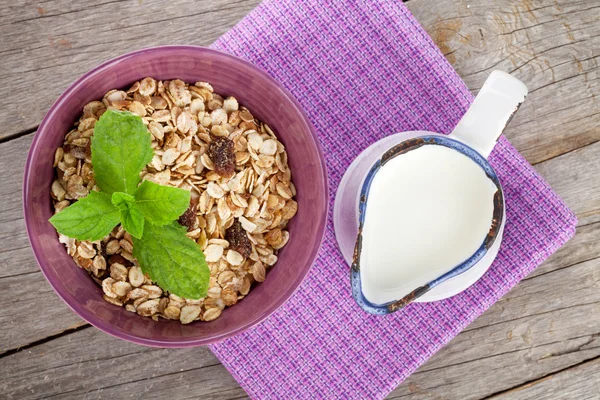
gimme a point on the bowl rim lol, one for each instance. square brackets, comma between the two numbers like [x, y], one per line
[76, 306]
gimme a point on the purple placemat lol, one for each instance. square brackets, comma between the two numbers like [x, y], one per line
[364, 70]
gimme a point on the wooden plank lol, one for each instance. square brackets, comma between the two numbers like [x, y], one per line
[31, 311]
[551, 46]
[584, 246]
[540, 44]
[15, 254]
[466, 381]
[89, 364]
[536, 340]
[47, 45]
[527, 299]
[575, 177]
[581, 382]
[537, 296]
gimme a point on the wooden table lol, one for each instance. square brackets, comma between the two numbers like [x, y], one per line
[541, 341]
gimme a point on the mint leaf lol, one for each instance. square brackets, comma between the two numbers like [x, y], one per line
[122, 200]
[161, 204]
[172, 260]
[121, 148]
[131, 217]
[89, 218]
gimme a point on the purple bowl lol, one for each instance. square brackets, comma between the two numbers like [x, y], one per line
[269, 102]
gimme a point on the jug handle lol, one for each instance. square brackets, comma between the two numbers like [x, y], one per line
[497, 102]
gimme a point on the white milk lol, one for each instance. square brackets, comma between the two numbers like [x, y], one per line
[428, 211]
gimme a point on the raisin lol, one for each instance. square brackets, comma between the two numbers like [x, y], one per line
[88, 151]
[117, 258]
[188, 218]
[238, 239]
[76, 151]
[222, 154]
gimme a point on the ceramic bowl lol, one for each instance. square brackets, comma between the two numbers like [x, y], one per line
[269, 102]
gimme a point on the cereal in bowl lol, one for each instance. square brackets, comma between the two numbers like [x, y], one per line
[241, 195]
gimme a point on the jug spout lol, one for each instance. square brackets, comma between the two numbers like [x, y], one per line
[497, 101]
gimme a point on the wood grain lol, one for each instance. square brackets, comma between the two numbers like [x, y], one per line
[89, 364]
[581, 382]
[528, 340]
[575, 176]
[584, 246]
[15, 253]
[45, 46]
[540, 341]
[550, 45]
[572, 257]
[30, 310]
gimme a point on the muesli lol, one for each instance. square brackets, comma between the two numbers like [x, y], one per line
[234, 199]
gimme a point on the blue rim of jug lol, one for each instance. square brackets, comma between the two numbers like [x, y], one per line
[498, 215]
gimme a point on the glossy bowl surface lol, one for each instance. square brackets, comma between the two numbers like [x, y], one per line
[269, 102]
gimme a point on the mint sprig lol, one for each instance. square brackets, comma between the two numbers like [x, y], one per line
[172, 259]
[90, 218]
[121, 148]
[161, 204]
[132, 218]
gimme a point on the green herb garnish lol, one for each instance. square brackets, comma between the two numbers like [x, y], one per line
[132, 218]
[90, 218]
[121, 148]
[161, 204]
[170, 261]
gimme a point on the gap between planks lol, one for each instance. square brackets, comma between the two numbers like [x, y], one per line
[566, 152]
[17, 135]
[46, 339]
[544, 378]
